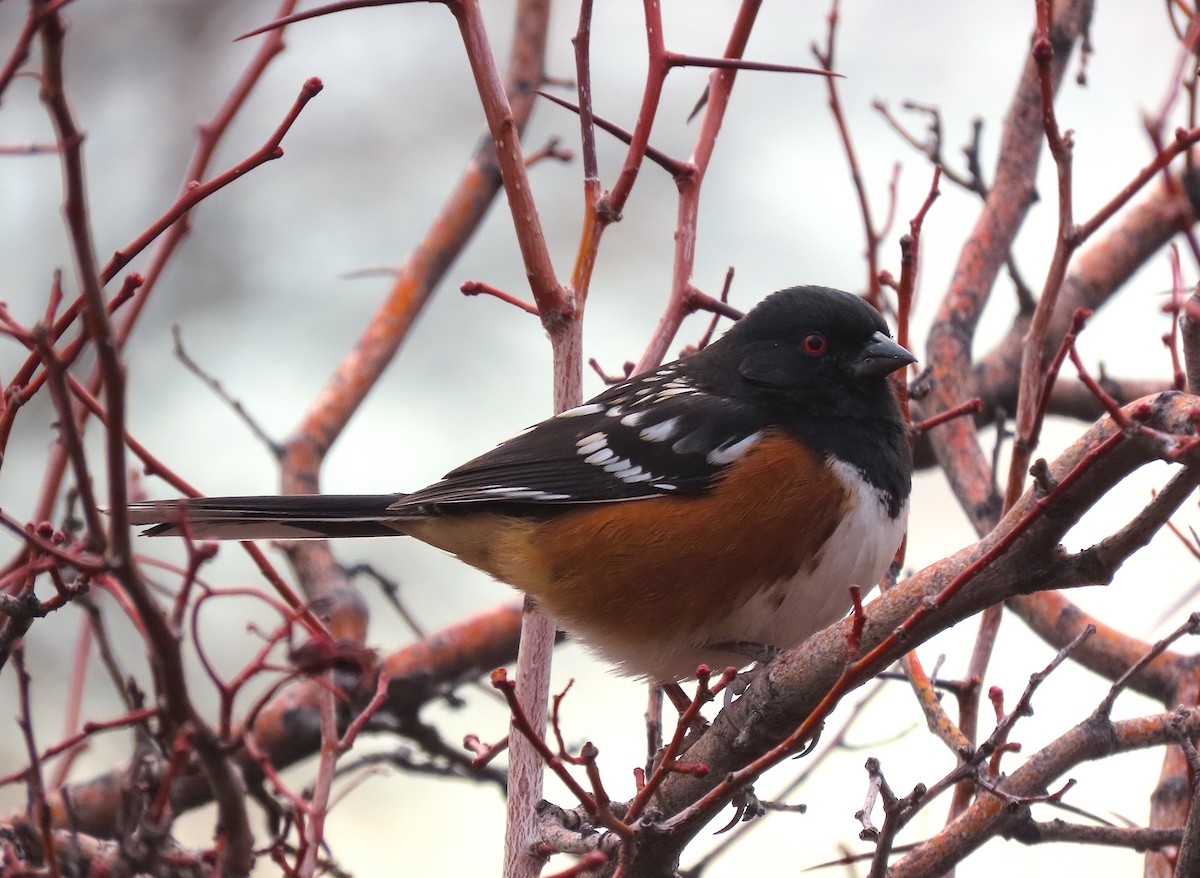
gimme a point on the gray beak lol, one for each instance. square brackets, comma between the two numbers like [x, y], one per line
[881, 356]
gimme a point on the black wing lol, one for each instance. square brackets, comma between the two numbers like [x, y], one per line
[653, 435]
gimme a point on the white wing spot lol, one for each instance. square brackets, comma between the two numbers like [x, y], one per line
[601, 456]
[591, 443]
[522, 493]
[627, 472]
[668, 391]
[632, 420]
[664, 485]
[660, 432]
[640, 477]
[728, 453]
[591, 408]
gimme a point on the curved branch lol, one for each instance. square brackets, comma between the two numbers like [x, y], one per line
[1022, 554]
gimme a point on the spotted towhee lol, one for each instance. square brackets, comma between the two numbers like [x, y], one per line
[708, 511]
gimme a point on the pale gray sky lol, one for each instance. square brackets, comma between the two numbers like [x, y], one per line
[260, 295]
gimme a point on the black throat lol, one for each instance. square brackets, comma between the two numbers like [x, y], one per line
[868, 434]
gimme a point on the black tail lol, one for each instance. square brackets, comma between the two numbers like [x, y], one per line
[292, 517]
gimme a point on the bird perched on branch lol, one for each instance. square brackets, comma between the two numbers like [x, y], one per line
[712, 510]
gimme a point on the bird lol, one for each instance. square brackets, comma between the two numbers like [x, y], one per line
[712, 511]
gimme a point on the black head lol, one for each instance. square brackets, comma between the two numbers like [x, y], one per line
[809, 348]
[816, 361]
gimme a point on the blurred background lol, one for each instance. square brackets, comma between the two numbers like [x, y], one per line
[264, 299]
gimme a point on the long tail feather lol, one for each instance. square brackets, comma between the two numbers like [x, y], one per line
[291, 517]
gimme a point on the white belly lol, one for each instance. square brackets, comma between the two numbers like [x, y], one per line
[858, 553]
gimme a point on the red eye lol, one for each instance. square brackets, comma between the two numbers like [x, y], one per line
[815, 344]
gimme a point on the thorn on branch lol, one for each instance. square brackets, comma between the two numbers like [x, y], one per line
[701, 103]
[746, 807]
[675, 168]
[675, 59]
[315, 13]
